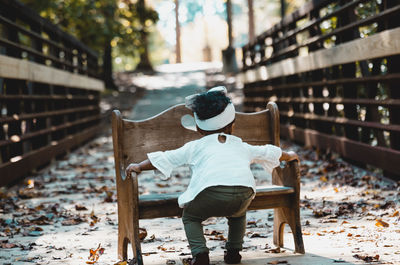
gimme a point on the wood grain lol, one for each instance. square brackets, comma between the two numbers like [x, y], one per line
[381, 44]
[13, 68]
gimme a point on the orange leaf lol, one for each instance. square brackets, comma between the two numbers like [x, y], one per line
[381, 223]
[323, 179]
[336, 189]
[121, 263]
[396, 213]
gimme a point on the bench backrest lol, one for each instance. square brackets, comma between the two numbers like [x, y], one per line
[134, 139]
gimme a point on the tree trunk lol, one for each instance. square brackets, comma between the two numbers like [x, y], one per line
[283, 8]
[229, 21]
[144, 64]
[251, 21]
[178, 33]
[107, 66]
[228, 55]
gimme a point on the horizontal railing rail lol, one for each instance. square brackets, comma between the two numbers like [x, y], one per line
[333, 68]
[49, 92]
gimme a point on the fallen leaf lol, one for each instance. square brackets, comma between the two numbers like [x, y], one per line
[187, 261]
[80, 207]
[94, 254]
[278, 262]
[274, 250]
[258, 235]
[8, 245]
[396, 213]
[381, 223]
[142, 233]
[367, 258]
[121, 263]
[323, 179]
[218, 237]
[73, 221]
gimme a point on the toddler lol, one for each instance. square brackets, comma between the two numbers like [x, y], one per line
[222, 183]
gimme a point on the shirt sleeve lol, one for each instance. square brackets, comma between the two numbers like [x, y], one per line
[267, 155]
[168, 160]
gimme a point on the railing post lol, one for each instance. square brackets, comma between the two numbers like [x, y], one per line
[393, 66]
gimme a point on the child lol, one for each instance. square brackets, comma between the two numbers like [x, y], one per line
[221, 183]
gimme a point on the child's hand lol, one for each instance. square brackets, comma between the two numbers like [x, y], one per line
[132, 168]
[293, 156]
[289, 156]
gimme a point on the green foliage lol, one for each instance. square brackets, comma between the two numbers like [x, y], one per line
[98, 23]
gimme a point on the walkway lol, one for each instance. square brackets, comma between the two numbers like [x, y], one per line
[56, 216]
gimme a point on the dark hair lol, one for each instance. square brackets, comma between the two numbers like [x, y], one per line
[208, 105]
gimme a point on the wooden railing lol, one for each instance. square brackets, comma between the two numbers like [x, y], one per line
[333, 67]
[49, 92]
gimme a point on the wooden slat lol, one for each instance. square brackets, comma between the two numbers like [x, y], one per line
[142, 134]
[34, 35]
[20, 117]
[263, 85]
[343, 121]
[290, 18]
[385, 158]
[51, 129]
[312, 23]
[359, 101]
[30, 15]
[383, 44]
[319, 38]
[21, 69]
[166, 205]
[12, 171]
[32, 51]
[68, 97]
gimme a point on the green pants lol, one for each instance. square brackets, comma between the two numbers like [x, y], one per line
[217, 201]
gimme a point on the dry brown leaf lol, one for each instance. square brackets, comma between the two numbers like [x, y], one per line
[367, 258]
[142, 233]
[278, 262]
[8, 245]
[381, 223]
[121, 263]
[94, 254]
[274, 250]
[396, 213]
[323, 179]
[79, 207]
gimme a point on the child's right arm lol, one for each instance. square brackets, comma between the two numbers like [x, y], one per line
[137, 168]
[289, 156]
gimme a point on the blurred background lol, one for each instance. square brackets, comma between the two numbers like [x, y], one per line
[140, 34]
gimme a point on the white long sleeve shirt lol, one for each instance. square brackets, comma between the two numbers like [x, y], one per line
[214, 163]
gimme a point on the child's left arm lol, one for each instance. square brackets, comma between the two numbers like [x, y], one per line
[289, 156]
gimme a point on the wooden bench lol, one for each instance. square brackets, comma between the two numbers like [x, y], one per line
[132, 140]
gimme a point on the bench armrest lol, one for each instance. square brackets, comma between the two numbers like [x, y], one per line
[288, 176]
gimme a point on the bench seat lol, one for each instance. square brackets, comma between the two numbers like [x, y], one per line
[166, 204]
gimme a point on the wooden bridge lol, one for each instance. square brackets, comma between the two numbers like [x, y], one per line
[332, 70]
[334, 73]
[49, 91]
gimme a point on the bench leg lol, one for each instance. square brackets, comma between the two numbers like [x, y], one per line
[290, 216]
[122, 247]
[135, 243]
